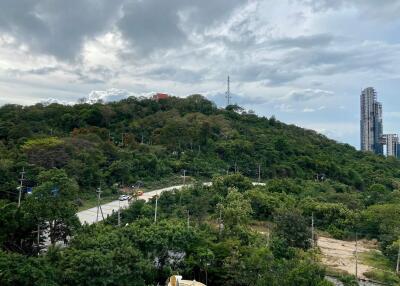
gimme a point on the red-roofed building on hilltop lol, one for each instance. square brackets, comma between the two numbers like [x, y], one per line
[159, 96]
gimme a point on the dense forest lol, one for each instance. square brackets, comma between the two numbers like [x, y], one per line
[67, 152]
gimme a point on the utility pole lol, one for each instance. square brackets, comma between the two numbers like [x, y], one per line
[357, 256]
[220, 222]
[123, 139]
[38, 236]
[99, 205]
[259, 173]
[21, 186]
[228, 92]
[398, 259]
[119, 213]
[312, 230]
[184, 176]
[188, 219]
[155, 210]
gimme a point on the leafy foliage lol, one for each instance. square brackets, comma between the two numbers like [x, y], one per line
[68, 151]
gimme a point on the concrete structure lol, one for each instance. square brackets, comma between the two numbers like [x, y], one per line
[176, 280]
[371, 127]
[392, 144]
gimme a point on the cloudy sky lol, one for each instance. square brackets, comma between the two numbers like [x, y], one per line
[304, 61]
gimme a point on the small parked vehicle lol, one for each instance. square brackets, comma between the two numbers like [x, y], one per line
[123, 197]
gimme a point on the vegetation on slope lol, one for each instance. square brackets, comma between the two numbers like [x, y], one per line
[69, 151]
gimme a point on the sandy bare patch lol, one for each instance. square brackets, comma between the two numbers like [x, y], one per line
[340, 254]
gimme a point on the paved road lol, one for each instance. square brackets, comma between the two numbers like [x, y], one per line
[90, 215]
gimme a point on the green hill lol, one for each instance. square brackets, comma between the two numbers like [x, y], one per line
[103, 142]
[230, 233]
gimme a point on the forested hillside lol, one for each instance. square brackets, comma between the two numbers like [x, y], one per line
[142, 139]
[237, 234]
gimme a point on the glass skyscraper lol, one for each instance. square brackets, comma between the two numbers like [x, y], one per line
[371, 126]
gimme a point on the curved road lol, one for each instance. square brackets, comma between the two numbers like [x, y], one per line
[90, 215]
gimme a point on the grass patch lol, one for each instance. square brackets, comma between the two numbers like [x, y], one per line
[376, 259]
[342, 276]
[387, 277]
[383, 272]
[170, 181]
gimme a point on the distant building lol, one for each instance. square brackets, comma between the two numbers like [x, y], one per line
[159, 96]
[392, 144]
[371, 127]
[398, 151]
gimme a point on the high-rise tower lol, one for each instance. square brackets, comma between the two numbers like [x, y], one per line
[371, 127]
[392, 143]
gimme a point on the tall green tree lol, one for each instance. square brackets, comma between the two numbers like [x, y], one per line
[53, 202]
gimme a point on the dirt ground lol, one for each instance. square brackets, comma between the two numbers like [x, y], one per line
[340, 254]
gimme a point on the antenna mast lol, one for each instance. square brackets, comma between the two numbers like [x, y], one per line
[228, 92]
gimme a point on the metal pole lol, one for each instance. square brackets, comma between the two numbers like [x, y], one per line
[184, 177]
[398, 259]
[188, 219]
[259, 173]
[356, 256]
[38, 237]
[21, 186]
[119, 213]
[155, 210]
[312, 230]
[220, 222]
[98, 206]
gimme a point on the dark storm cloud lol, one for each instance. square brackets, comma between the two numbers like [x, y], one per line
[60, 28]
[152, 25]
[57, 28]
